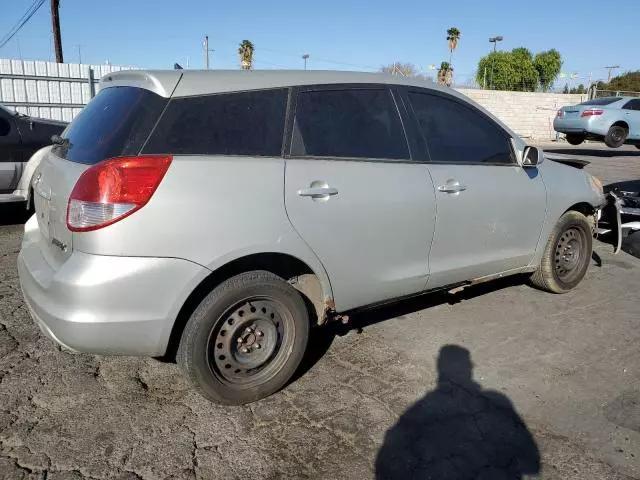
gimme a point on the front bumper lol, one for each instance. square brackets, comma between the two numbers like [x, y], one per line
[609, 221]
[106, 305]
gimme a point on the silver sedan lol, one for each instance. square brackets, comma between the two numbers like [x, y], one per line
[614, 120]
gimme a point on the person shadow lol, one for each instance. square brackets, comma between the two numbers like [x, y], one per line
[458, 431]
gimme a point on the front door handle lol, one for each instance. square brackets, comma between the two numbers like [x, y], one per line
[452, 188]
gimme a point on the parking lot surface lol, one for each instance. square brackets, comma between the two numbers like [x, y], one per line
[500, 381]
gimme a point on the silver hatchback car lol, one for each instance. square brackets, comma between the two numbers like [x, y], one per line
[613, 120]
[223, 214]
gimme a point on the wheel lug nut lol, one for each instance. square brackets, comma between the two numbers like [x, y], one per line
[240, 340]
[259, 333]
[244, 350]
[248, 330]
[256, 346]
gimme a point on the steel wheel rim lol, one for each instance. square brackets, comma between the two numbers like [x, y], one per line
[617, 135]
[250, 341]
[569, 254]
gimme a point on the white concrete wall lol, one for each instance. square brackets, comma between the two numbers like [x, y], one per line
[529, 114]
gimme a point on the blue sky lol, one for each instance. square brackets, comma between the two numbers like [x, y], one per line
[338, 34]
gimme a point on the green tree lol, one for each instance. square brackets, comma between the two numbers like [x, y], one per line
[245, 51]
[445, 74]
[627, 82]
[548, 65]
[453, 35]
[579, 89]
[508, 71]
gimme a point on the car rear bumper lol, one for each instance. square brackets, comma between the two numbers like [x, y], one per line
[581, 125]
[106, 305]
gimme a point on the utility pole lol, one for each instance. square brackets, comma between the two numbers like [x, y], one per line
[79, 53]
[206, 51]
[205, 45]
[55, 21]
[305, 57]
[611, 68]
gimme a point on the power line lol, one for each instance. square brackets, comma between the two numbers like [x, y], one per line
[31, 11]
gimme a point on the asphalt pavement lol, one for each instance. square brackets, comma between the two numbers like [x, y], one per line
[500, 381]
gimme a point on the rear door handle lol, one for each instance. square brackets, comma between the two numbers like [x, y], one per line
[318, 190]
[452, 188]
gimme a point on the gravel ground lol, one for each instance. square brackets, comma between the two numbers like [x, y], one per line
[502, 381]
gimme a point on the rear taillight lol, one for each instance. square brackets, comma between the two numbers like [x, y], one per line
[113, 189]
[591, 112]
[560, 113]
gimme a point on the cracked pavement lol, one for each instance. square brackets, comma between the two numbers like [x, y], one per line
[535, 384]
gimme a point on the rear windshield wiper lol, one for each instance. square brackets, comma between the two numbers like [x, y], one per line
[58, 140]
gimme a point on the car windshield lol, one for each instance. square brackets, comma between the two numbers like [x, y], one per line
[602, 101]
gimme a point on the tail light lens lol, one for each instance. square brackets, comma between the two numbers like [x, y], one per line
[560, 113]
[113, 189]
[591, 113]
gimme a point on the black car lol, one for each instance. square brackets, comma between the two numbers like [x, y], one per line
[20, 137]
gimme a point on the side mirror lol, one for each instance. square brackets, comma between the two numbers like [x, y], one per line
[532, 156]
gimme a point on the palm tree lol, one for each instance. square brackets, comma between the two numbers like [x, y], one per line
[453, 35]
[246, 54]
[445, 74]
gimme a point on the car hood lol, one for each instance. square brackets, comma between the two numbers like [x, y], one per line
[566, 160]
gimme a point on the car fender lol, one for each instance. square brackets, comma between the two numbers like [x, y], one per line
[566, 187]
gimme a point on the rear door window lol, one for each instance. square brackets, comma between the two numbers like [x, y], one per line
[243, 123]
[116, 122]
[350, 123]
[456, 133]
[632, 105]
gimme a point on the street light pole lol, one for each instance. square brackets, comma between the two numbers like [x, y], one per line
[495, 41]
[305, 57]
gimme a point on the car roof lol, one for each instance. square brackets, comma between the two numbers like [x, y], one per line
[202, 82]
[186, 83]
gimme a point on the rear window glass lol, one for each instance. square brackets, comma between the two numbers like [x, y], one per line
[116, 122]
[602, 101]
[243, 123]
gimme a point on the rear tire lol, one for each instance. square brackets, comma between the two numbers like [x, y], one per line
[616, 136]
[246, 339]
[566, 256]
[575, 139]
[638, 146]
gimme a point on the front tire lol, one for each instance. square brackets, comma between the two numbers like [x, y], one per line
[616, 136]
[638, 146]
[575, 139]
[566, 256]
[246, 339]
